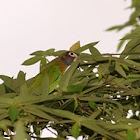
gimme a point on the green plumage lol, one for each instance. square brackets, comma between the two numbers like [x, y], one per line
[54, 69]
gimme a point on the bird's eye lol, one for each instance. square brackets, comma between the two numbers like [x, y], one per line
[72, 54]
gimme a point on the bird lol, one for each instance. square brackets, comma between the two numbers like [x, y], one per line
[55, 69]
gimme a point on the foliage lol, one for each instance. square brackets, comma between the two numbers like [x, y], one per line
[134, 23]
[92, 100]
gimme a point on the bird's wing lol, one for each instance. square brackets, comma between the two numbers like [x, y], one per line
[54, 77]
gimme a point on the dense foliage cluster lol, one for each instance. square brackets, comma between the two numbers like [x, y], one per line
[93, 99]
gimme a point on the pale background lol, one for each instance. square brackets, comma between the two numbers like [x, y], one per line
[30, 25]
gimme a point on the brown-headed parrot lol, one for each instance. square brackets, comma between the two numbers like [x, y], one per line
[55, 69]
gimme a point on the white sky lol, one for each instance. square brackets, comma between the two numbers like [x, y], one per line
[30, 25]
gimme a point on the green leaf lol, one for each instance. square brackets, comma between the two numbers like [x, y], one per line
[100, 127]
[67, 76]
[136, 64]
[94, 51]
[13, 113]
[130, 46]
[21, 77]
[120, 70]
[75, 88]
[85, 47]
[111, 68]
[45, 86]
[100, 76]
[20, 131]
[23, 86]
[3, 111]
[120, 44]
[8, 90]
[130, 135]
[38, 111]
[38, 53]
[58, 53]
[91, 104]
[8, 80]
[43, 61]
[103, 68]
[133, 35]
[114, 28]
[43, 53]
[32, 60]
[49, 52]
[75, 104]
[124, 66]
[5, 101]
[2, 89]
[4, 125]
[75, 130]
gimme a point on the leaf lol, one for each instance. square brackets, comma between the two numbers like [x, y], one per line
[75, 88]
[34, 99]
[49, 52]
[38, 53]
[3, 110]
[124, 66]
[120, 70]
[10, 84]
[32, 60]
[130, 135]
[102, 100]
[111, 67]
[86, 57]
[83, 48]
[94, 51]
[61, 113]
[120, 44]
[131, 62]
[38, 111]
[99, 127]
[91, 104]
[130, 46]
[75, 103]
[75, 130]
[2, 89]
[103, 68]
[23, 86]
[13, 113]
[20, 131]
[45, 86]
[114, 28]
[43, 61]
[4, 125]
[133, 35]
[8, 80]
[58, 53]
[8, 90]
[43, 53]
[75, 46]
[67, 76]
[6, 101]
[100, 76]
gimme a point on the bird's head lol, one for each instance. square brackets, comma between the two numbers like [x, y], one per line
[69, 57]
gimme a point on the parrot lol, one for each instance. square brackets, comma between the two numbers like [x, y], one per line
[55, 69]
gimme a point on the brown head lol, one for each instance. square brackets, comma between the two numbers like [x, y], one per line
[69, 57]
